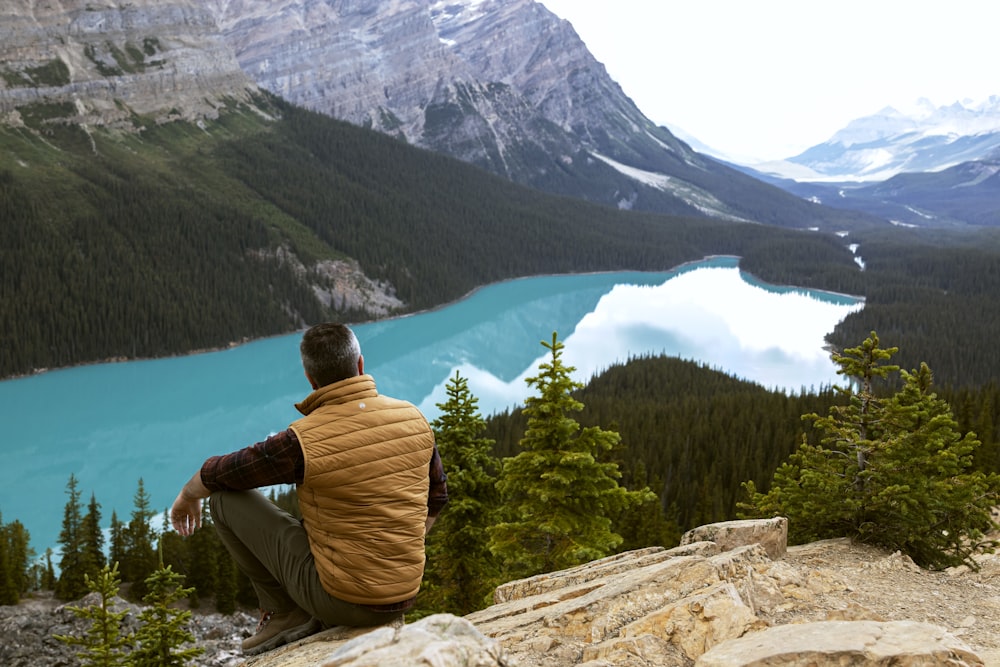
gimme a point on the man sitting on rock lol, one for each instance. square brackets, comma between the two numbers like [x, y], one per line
[370, 484]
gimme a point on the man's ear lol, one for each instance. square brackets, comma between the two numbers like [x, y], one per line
[312, 383]
[361, 365]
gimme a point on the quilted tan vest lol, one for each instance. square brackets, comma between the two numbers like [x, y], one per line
[364, 493]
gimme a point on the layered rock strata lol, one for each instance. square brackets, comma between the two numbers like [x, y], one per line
[501, 83]
[101, 62]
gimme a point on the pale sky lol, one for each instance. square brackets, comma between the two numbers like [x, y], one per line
[767, 79]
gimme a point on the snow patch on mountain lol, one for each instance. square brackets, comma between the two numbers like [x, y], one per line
[702, 200]
[920, 139]
[650, 178]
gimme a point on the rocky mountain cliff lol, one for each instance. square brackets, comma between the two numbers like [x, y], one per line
[487, 81]
[99, 62]
[503, 84]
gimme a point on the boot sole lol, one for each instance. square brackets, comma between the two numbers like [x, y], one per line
[282, 638]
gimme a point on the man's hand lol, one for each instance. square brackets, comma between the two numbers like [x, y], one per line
[185, 513]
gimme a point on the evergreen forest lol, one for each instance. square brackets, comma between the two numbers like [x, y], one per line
[180, 238]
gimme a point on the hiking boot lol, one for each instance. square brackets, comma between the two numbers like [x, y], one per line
[277, 628]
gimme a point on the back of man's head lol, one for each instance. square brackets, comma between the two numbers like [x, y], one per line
[330, 353]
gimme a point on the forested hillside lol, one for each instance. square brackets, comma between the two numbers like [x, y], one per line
[693, 435]
[184, 237]
[937, 296]
[125, 245]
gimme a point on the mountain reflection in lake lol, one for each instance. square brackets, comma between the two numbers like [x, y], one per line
[774, 337]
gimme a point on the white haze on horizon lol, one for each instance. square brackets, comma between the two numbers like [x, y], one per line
[760, 81]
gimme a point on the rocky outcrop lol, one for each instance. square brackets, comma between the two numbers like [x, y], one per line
[692, 605]
[695, 605]
[100, 62]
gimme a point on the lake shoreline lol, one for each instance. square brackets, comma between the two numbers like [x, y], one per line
[677, 269]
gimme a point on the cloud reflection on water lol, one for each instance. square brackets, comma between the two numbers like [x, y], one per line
[711, 315]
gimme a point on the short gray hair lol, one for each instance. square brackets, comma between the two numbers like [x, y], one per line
[330, 353]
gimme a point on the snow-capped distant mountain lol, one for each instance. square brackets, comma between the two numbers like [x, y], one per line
[890, 142]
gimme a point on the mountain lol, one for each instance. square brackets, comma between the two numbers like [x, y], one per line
[890, 142]
[503, 84]
[100, 62]
[934, 167]
[967, 194]
[154, 201]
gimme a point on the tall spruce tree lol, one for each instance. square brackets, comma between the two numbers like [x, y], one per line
[559, 494]
[19, 556]
[893, 470]
[48, 578]
[92, 538]
[73, 567]
[140, 539]
[461, 569]
[103, 645]
[226, 581]
[9, 594]
[117, 547]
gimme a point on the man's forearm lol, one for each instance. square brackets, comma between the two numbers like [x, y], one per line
[185, 513]
[195, 489]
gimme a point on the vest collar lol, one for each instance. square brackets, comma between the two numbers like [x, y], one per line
[351, 389]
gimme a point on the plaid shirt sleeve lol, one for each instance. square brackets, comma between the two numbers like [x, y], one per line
[437, 495]
[276, 460]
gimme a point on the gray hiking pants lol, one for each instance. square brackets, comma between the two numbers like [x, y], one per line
[271, 547]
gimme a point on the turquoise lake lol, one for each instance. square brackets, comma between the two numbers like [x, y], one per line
[111, 424]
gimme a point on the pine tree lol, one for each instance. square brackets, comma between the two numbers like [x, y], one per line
[140, 553]
[163, 633]
[648, 524]
[92, 538]
[461, 570]
[72, 567]
[9, 594]
[103, 645]
[891, 471]
[559, 493]
[19, 555]
[117, 547]
[48, 582]
[226, 582]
